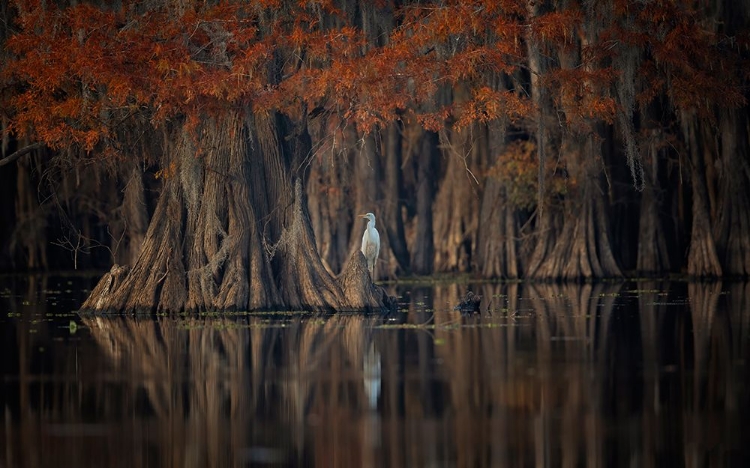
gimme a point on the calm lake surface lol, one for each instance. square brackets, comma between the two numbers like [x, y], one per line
[638, 374]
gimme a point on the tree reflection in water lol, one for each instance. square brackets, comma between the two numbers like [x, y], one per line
[548, 375]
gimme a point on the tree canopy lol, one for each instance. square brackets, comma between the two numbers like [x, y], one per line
[75, 73]
[497, 134]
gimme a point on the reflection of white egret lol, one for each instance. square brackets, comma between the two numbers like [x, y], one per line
[372, 376]
[372, 379]
[370, 243]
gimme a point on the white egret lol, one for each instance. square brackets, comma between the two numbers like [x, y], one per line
[370, 243]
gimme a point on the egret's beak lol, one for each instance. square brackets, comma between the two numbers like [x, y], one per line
[362, 216]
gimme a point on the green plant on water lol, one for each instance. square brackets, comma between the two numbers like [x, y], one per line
[407, 326]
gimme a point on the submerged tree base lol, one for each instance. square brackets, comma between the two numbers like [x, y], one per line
[357, 293]
[228, 235]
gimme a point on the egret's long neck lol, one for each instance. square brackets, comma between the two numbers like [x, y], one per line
[371, 224]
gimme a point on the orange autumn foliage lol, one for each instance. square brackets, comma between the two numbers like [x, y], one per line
[75, 74]
[516, 169]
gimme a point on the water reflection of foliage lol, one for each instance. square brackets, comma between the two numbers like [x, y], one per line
[222, 387]
[542, 376]
[511, 403]
[570, 365]
[548, 374]
[715, 401]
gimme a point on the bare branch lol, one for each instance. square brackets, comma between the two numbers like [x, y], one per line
[19, 153]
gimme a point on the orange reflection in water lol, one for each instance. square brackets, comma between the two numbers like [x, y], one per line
[637, 374]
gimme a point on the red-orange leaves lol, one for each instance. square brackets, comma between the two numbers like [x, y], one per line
[488, 104]
[583, 94]
[77, 73]
[82, 70]
[54, 68]
[557, 27]
[434, 121]
[517, 168]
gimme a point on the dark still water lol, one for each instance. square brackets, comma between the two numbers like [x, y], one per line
[635, 374]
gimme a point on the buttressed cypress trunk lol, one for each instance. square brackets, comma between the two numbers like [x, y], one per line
[392, 197]
[231, 231]
[498, 233]
[733, 224]
[456, 206]
[702, 257]
[423, 252]
[653, 255]
[579, 246]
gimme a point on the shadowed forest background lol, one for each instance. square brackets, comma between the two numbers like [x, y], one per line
[223, 150]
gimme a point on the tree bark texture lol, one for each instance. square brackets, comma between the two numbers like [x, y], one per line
[538, 96]
[134, 216]
[653, 255]
[393, 197]
[220, 234]
[733, 224]
[575, 243]
[216, 242]
[497, 254]
[329, 190]
[456, 211]
[702, 257]
[423, 250]
[498, 231]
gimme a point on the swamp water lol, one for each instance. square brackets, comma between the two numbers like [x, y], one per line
[629, 374]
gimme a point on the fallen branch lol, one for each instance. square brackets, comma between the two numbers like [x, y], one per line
[19, 153]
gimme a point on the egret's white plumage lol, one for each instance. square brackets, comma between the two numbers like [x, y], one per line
[370, 243]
